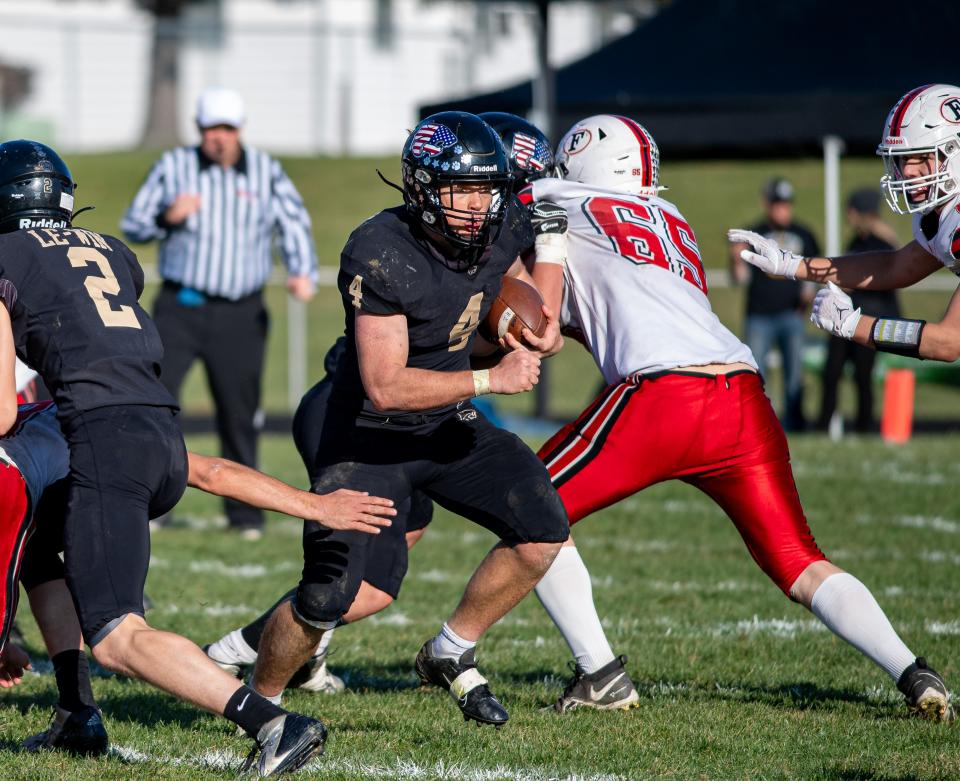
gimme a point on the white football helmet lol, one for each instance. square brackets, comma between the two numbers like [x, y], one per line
[925, 121]
[611, 151]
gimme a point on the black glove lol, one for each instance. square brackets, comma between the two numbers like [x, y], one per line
[547, 217]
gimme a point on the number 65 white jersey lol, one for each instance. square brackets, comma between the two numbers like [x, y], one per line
[634, 283]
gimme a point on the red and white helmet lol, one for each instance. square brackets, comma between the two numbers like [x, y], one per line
[925, 121]
[610, 151]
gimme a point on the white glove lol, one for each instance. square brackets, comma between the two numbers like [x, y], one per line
[833, 312]
[767, 255]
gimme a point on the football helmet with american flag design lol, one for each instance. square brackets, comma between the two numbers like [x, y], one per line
[444, 150]
[607, 150]
[924, 122]
[527, 146]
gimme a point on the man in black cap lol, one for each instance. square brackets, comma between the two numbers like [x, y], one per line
[871, 234]
[775, 307]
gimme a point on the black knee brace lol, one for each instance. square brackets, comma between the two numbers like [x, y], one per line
[333, 568]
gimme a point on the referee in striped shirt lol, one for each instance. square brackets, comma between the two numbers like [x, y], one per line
[216, 209]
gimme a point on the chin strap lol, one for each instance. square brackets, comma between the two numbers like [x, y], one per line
[78, 212]
[386, 181]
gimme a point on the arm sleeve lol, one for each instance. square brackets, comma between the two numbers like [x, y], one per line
[293, 222]
[143, 220]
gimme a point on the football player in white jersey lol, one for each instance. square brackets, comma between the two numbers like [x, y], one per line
[684, 401]
[920, 149]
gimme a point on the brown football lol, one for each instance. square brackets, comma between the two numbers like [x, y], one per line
[517, 306]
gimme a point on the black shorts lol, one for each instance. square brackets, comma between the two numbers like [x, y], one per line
[127, 464]
[465, 464]
[387, 566]
[41, 559]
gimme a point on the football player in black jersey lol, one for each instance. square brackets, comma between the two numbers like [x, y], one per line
[530, 158]
[416, 280]
[72, 297]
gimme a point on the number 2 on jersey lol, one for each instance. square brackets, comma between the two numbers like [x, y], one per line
[648, 235]
[99, 287]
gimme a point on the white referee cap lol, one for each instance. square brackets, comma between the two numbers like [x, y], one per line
[220, 106]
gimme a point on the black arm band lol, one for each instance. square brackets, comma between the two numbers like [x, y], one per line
[898, 336]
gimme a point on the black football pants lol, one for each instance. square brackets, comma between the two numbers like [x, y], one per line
[127, 464]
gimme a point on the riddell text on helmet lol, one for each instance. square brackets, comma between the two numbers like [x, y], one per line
[47, 222]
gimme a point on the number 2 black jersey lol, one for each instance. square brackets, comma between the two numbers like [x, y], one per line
[76, 319]
[389, 267]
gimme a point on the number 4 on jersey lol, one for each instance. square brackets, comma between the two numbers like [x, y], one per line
[647, 234]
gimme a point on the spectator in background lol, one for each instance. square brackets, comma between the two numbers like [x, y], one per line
[215, 209]
[870, 234]
[776, 307]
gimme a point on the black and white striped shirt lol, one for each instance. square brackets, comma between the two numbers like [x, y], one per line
[226, 248]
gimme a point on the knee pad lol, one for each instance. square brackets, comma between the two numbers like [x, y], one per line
[321, 605]
[538, 510]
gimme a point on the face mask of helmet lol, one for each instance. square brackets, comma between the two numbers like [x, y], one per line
[36, 187]
[447, 155]
[923, 192]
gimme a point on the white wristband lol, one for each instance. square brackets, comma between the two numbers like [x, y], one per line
[481, 382]
[551, 247]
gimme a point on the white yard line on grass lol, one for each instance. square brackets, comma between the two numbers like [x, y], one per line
[451, 771]
[215, 610]
[936, 523]
[943, 627]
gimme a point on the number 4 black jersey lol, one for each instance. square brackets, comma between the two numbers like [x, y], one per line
[76, 319]
[389, 267]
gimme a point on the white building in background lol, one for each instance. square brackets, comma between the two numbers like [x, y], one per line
[318, 76]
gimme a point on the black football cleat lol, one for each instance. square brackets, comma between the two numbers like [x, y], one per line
[285, 744]
[80, 733]
[464, 682]
[925, 691]
[609, 688]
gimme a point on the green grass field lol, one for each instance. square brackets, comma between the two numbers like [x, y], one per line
[735, 681]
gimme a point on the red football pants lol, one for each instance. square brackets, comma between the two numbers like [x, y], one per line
[719, 434]
[15, 528]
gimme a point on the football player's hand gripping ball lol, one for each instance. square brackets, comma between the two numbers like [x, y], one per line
[517, 372]
[833, 312]
[766, 254]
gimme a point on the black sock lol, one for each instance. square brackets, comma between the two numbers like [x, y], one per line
[249, 711]
[73, 680]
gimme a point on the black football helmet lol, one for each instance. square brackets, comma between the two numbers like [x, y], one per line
[455, 147]
[531, 156]
[36, 188]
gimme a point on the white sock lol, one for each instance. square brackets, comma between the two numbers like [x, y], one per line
[321, 649]
[232, 649]
[275, 700]
[449, 645]
[567, 595]
[849, 610]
